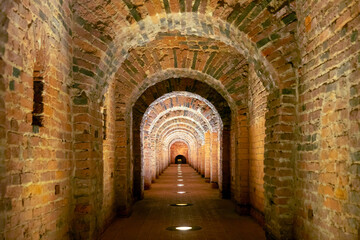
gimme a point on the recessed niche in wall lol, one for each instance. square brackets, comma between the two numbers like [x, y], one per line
[38, 104]
[310, 214]
[57, 189]
[104, 117]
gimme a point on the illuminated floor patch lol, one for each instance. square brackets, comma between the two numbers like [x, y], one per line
[180, 185]
[183, 228]
[181, 204]
[181, 192]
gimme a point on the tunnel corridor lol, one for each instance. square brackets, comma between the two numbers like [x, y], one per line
[99, 97]
[180, 159]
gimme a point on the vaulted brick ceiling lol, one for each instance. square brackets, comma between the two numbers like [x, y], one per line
[186, 104]
[179, 115]
[175, 116]
[135, 40]
[145, 49]
[173, 85]
[173, 50]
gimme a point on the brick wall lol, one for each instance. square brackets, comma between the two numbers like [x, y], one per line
[328, 167]
[202, 160]
[88, 177]
[108, 210]
[207, 155]
[38, 160]
[241, 163]
[215, 157]
[257, 110]
[3, 83]
[123, 161]
[179, 148]
[80, 48]
[263, 32]
[178, 115]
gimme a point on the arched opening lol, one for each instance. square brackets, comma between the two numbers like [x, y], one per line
[289, 154]
[178, 149]
[180, 159]
[199, 153]
[218, 57]
[155, 131]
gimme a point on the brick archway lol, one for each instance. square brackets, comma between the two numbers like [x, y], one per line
[177, 108]
[265, 40]
[139, 61]
[180, 159]
[178, 148]
[287, 69]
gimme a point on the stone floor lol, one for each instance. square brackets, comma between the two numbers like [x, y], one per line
[153, 215]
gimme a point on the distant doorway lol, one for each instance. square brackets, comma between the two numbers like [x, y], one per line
[180, 159]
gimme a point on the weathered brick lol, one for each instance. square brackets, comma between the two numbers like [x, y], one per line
[98, 43]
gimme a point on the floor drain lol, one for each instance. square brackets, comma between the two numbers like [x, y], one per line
[183, 228]
[181, 204]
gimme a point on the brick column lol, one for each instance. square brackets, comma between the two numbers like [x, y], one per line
[159, 157]
[153, 159]
[207, 156]
[87, 188]
[163, 159]
[3, 33]
[123, 165]
[198, 158]
[214, 157]
[3, 182]
[279, 164]
[225, 165]
[158, 162]
[202, 160]
[242, 164]
[138, 187]
[147, 168]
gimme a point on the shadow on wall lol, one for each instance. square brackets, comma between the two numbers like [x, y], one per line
[4, 7]
[180, 159]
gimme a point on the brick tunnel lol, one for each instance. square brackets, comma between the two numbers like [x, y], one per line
[113, 111]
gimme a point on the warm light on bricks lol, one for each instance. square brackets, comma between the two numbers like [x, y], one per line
[99, 98]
